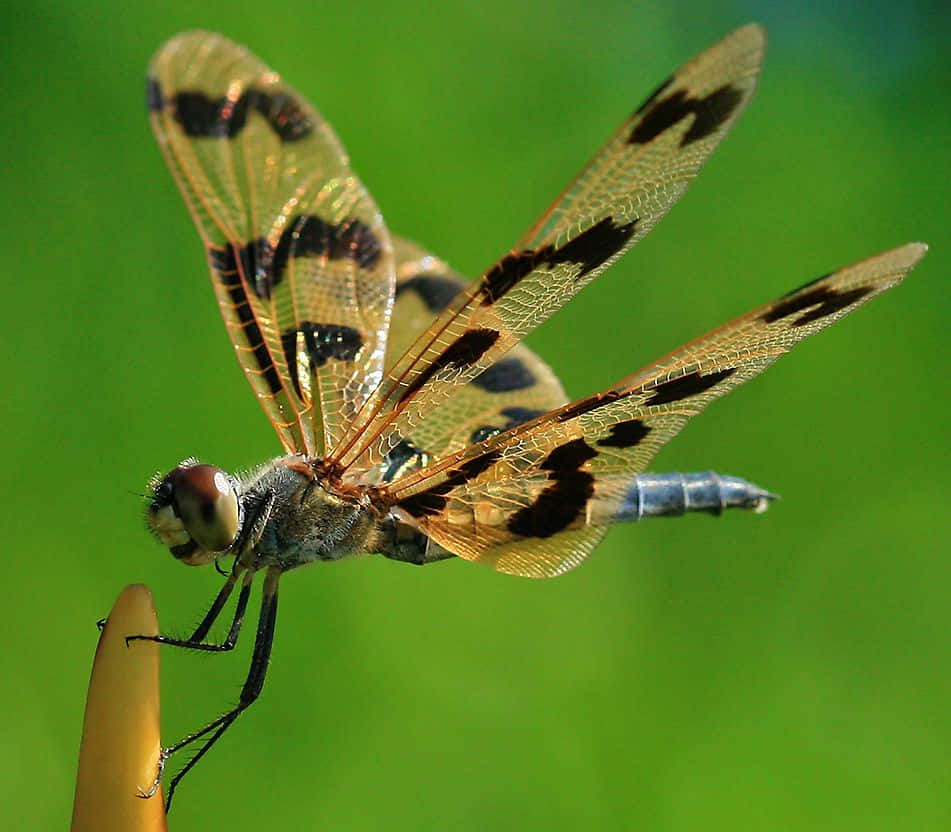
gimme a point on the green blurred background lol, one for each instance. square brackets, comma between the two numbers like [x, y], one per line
[783, 672]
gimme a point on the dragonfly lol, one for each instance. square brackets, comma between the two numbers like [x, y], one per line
[413, 422]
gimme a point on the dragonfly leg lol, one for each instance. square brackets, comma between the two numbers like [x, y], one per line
[196, 640]
[250, 691]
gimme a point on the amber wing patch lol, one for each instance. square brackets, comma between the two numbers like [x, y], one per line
[301, 262]
[555, 483]
[612, 204]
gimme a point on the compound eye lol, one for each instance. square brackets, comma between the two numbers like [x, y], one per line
[207, 506]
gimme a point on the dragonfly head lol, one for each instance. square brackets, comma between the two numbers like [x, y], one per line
[194, 511]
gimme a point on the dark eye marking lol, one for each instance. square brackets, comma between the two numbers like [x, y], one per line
[462, 353]
[203, 117]
[820, 302]
[433, 500]
[322, 342]
[686, 386]
[562, 502]
[223, 262]
[625, 434]
[434, 290]
[709, 113]
[207, 511]
[184, 550]
[162, 495]
[590, 249]
[504, 376]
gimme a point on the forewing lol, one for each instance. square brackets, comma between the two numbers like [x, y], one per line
[300, 260]
[517, 389]
[613, 203]
[535, 500]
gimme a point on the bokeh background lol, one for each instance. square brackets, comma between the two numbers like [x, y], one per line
[790, 671]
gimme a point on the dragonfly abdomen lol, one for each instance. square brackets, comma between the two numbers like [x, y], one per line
[670, 495]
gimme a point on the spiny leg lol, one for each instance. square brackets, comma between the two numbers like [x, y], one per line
[195, 640]
[258, 512]
[253, 685]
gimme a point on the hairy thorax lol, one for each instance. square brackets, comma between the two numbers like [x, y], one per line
[307, 522]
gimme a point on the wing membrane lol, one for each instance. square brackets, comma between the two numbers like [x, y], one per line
[300, 259]
[517, 389]
[615, 201]
[535, 500]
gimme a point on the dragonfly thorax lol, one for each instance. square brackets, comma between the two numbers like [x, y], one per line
[285, 514]
[304, 517]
